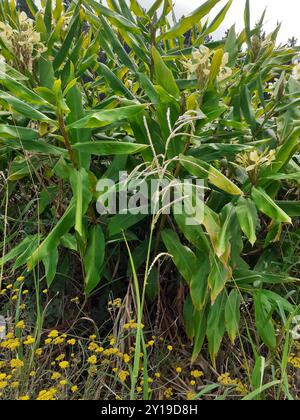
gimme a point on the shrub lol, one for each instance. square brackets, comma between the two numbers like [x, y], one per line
[89, 91]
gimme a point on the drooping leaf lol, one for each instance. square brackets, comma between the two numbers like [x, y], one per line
[248, 218]
[94, 258]
[107, 117]
[189, 21]
[184, 259]
[267, 206]
[232, 314]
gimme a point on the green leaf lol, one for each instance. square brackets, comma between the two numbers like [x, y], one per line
[114, 82]
[217, 21]
[52, 240]
[66, 45]
[15, 132]
[228, 222]
[216, 326]
[200, 326]
[264, 323]
[115, 18]
[203, 170]
[94, 258]
[107, 148]
[292, 208]
[217, 278]
[82, 196]
[184, 259]
[199, 283]
[103, 118]
[186, 23]
[232, 314]
[50, 264]
[267, 206]
[248, 218]
[23, 108]
[19, 250]
[122, 222]
[163, 75]
[247, 108]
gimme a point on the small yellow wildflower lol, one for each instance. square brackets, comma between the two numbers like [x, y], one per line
[196, 374]
[29, 340]
[92, 360]
[190, 395]
[20, 325]
[55, 376]
[24, 398]
[16, 363]
[53, 334]
[64, 365]
[123, 374]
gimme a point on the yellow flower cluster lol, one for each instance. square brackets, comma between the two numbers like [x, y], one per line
[132, 325]
[294, 361]
[226, 380]
[197, 374]
[116, 303]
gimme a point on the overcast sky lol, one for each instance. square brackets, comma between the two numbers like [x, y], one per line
[285, 11]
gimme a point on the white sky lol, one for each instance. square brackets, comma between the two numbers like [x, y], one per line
[285, 11]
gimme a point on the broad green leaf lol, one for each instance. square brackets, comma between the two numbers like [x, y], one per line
[200, 326]
[50, 263]
[117, 19]
[199, 283]
[203, 170]
[184, 259]
[292, 208]
[23, 108]
[232, 314]
[216, 326]
[107, 117]
[247, 108]
[15, 132]
[122, 222]
[267, 206]
[107, 148]
[34, 146]
[264, 322]
[186, 23]
[66, 45]
[217, 279]
[94, 258]
[193, 233]
[248, 218]
[228, 222]
[82, 196]
[114, 82]
[217, 21]
[163, 75]
[69, 241]
[74, 102]
[62, 227]
[19, 250]
[137, 9]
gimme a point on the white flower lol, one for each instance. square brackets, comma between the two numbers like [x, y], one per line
[201, 56]
[295, 332]
[296, 71]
